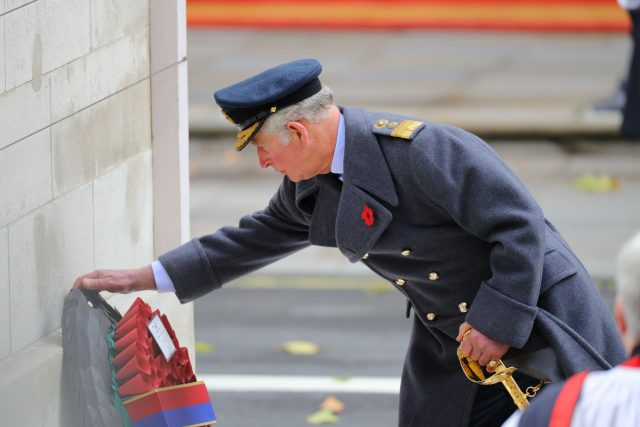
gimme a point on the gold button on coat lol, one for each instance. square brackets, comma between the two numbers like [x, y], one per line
[392, 125]
[431, 316]
[381, 123]
[400, 282]
[463, 307]
[365, 256]
[433, 276]
[406, 252]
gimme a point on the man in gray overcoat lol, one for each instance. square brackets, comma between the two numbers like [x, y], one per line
[428, 207]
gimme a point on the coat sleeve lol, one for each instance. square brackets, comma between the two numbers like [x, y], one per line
[464, 176]
[206, 263]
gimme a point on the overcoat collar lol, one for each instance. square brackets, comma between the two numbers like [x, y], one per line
[337, 214]
[368, 188]
[364, 163]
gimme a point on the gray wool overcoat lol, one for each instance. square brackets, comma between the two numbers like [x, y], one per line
[438, 214]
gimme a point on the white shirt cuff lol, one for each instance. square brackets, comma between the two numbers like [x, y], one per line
[163, 281]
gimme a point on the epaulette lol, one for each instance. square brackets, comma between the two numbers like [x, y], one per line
[405, 129]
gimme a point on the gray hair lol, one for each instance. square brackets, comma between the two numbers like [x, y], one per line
[628, 284]
[313, 109]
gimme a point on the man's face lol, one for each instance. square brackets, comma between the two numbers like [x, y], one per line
[293, 159]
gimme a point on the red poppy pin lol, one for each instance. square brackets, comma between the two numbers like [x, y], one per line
[367, 216]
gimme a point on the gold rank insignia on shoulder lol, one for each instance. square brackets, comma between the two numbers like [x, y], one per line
[405, 129]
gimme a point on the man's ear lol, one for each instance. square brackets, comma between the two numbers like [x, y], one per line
[298, 132]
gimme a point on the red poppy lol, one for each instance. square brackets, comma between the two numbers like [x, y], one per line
[367, 216]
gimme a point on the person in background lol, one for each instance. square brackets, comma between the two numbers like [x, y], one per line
[631, 112]
[606, 398]
[626, 99]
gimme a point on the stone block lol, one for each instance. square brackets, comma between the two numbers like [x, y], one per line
[168, 28]
[14, 4]
[23, 111]
[99, 74]
[112, 19]
[5, 310]
[100, 137]
[48, 249]
[170, 157]
[43, 36]
[30, 385]
[123, 215]
[2, 60]
[21, 33]
[25, 176]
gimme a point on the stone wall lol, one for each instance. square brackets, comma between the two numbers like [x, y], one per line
[78, 110]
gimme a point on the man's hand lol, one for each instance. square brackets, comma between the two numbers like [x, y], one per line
[480, 347]
[120, 281]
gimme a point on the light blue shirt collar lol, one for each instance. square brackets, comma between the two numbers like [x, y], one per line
[337, 164]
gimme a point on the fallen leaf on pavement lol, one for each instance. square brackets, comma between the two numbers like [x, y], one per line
[596, 183]
[204, 347]
[333, 404]
[323, 416]
[379, 289]
[301, 348]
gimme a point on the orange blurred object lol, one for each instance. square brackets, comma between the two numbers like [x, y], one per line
[531, 15]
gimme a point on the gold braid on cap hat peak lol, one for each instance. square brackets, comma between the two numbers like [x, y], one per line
[228, 117]
[243, 135]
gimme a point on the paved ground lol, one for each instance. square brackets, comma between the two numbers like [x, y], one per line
[360, 333]
[537, 87]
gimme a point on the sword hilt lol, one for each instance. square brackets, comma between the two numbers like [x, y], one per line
[504, 375]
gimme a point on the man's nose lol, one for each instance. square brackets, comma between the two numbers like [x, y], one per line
[262, 159]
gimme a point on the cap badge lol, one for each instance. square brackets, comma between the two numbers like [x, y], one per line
[367, 216]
